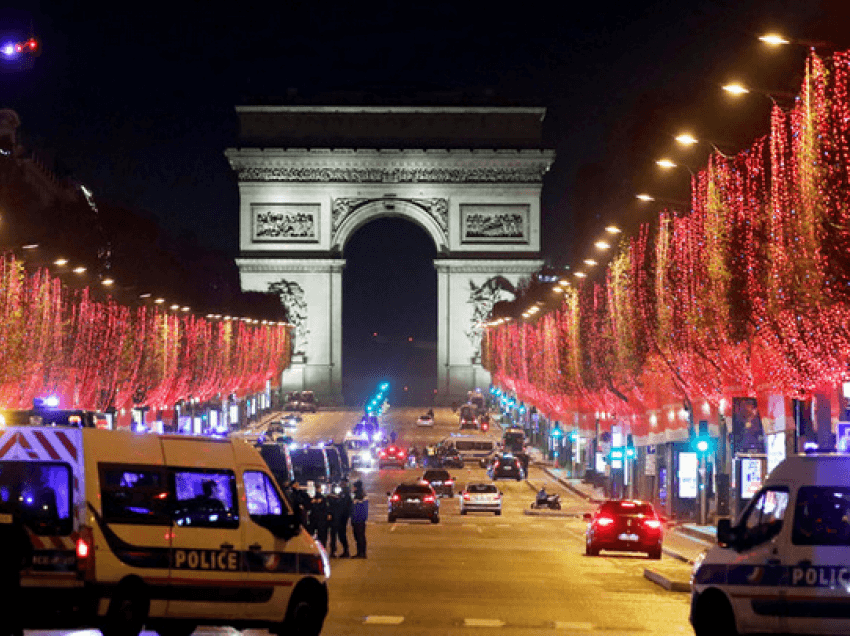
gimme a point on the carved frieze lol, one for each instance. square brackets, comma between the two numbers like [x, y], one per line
[276, 222]
[489, 223]
[436, 208]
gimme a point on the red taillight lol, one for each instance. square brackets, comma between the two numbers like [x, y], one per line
[395, 498]
[604, 521]
[382, 454]
[466, 496]
[429, 499]
[655, 524]
[449, 482]
[401, 454]
[85, 552]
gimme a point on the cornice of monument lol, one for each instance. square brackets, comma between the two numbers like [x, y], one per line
[284, 265]
[389, 166]
[485, 266]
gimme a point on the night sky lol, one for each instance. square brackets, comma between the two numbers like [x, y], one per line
[138, 104]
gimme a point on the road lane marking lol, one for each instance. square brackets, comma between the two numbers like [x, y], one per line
[584, 627]
[392, 527]
[483, 622]
[384, 620]
[503, 525]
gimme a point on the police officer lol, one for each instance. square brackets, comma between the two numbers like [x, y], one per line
[359, 516]
[320, 519]
[15, 556]
[340, 507]
[301, 501]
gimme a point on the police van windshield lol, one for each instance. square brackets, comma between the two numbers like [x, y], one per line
[41, 492]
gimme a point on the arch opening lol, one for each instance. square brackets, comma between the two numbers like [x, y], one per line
[389, 311]
[431, 215]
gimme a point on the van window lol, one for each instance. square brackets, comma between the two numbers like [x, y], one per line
[134, 494]
[763, 519]
[822, 516]
[261, 495]
[309, 464]
[41, 491]
[205, 499]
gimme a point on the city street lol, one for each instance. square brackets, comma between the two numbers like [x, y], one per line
[511, 574]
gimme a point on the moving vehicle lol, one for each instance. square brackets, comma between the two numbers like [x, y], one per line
[484, 423]
[552, 501]
[513, 439]
[481, 497]
[369, 426]
[48, 416]
[392, 455]
[625, 526]
[359, 449]
[478, 448]
[506, 466]
[162, 531]
[301, 401]
[468, 417]
[449, 458]
[782, 566]
[425, 420]
[440, 480]
[413, 501]
[476, 399]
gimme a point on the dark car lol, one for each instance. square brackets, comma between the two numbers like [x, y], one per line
[506, 467]
[416, 501]
[625, 525]
[441, 481]
[449, 458]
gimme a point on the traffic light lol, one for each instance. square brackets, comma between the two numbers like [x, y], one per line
[702, 441]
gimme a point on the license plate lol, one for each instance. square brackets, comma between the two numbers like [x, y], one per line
[628, 537]
[412, 501]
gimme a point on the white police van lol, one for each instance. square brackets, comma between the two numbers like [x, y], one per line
[478, 448]
[163, 531]
[784, 567]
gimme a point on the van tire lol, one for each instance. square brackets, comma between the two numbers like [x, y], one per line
[128, 611]
[304, 616]
[713, 615]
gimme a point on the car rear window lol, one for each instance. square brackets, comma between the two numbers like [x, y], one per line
[822, 516]
[431, 475]
[405, 489]
[481, 488]
[627, 508]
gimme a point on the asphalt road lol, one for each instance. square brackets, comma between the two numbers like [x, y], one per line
[479, 573]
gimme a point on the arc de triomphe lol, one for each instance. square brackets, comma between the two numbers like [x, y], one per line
[311, 176]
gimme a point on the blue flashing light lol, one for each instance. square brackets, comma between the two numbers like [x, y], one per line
[8, 49]
[702, 445]
[49, 402]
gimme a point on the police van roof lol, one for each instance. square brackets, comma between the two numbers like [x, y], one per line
[827, 469]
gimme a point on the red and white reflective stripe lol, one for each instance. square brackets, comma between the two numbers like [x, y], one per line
[53, 542]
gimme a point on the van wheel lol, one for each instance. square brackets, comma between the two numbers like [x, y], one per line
[305, 615]
[390, 518]
[435, 519]
[713, 616]
[127, 613]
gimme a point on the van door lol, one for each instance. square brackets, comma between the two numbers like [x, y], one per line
[206, 577]
[757, 576]
[271, 569]
[818, 593]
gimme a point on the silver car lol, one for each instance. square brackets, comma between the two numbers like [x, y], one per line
[483, 497]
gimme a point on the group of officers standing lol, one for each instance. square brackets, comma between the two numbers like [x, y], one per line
[326, 517]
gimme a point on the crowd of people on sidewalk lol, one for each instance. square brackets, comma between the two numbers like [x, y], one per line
[326, 517]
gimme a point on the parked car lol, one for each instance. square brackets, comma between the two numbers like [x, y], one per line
[440, 480]
[481, 497]
[624, 526]
[506, 467]
[417, 501]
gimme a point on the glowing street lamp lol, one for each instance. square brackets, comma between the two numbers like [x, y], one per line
[773, 39]
[580, 275]
[687, 139]
[736, 88]
[602, 245]
[667, 164]
[613, 229]
[590, 262]
[645, 197]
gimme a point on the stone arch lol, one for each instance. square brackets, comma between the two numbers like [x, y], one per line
[429, 214]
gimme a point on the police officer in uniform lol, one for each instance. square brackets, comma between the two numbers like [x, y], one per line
[359, 516]
[340, 511]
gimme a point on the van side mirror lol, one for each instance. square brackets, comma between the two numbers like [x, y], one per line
[283, 526]
[389, 494]
[726, 534]
[587, 516]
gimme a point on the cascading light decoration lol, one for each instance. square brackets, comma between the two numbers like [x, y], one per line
[95, 354]
[748, 289]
